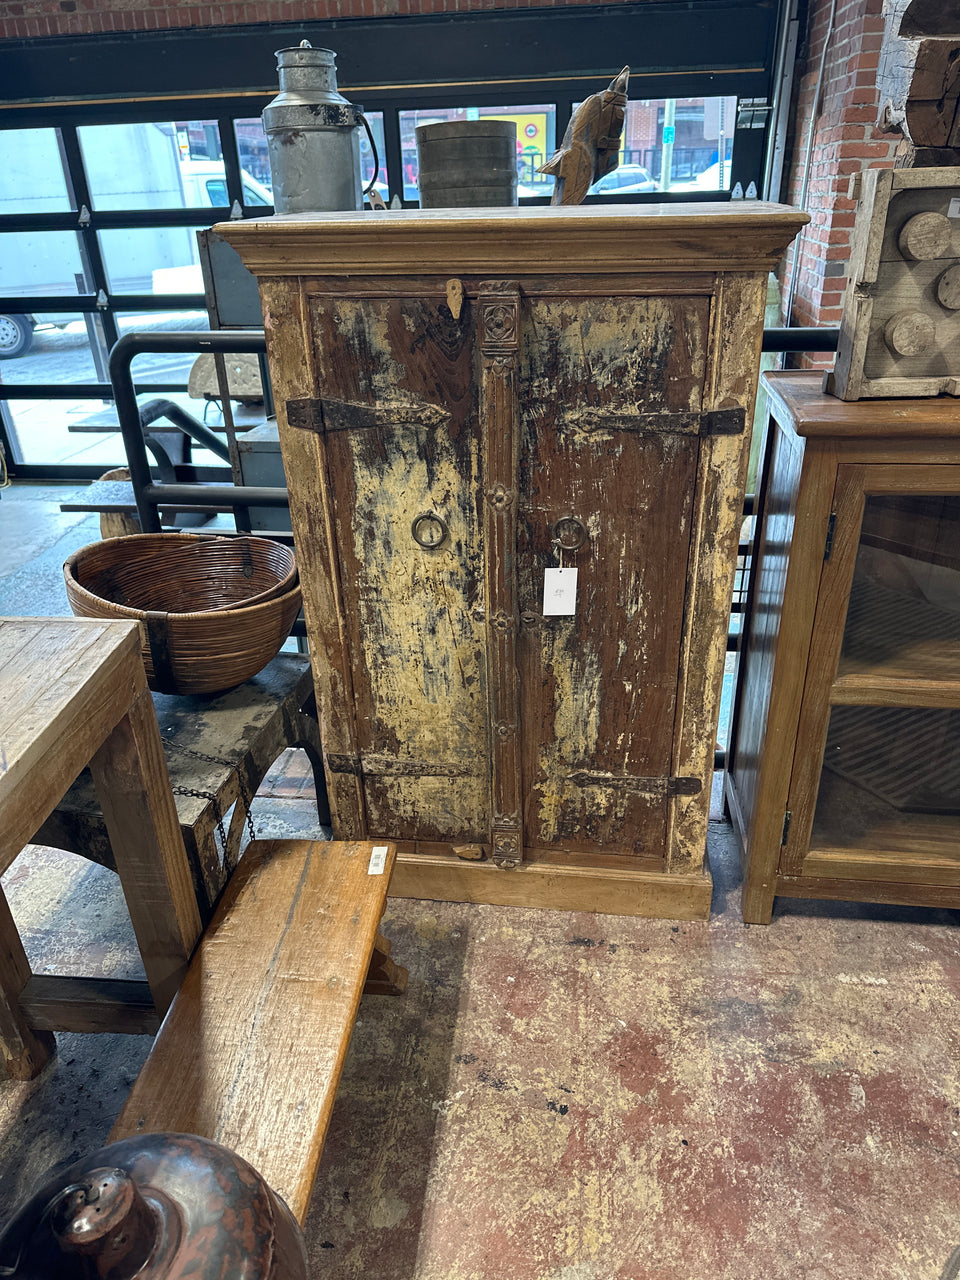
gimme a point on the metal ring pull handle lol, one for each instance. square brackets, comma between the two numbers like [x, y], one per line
[570, 533]
[429, 531]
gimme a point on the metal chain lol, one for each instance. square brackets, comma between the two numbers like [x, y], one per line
[217, 812]
[245, 795]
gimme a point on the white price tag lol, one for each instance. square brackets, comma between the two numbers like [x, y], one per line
[378, 860]
[954, 210]
[559, 592]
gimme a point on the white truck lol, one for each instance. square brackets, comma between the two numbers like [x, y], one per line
[128, 167]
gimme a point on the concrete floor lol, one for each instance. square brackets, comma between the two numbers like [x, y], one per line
[563, 1096]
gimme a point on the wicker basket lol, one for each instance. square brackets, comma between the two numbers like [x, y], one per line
[184, 572]
[212, 611]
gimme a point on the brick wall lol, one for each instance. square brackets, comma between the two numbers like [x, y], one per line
[31, 18]
[845, 141]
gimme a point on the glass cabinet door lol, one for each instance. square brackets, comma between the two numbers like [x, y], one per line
[886, 801]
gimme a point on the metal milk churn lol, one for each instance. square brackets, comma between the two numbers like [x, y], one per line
[313, 135]
[163, 1206]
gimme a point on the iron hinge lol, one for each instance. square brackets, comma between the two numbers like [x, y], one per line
[725, 422]
[690, 422]
[787, 819]
[831, 529]
[305, 415]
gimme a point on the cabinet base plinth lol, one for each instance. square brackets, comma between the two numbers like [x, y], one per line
[608, 891]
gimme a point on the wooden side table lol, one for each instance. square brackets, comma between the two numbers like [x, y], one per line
[72, 693]
[843, 774]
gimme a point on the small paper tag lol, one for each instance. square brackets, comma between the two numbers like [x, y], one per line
[954, 210]
[378, 860]
[559, 592]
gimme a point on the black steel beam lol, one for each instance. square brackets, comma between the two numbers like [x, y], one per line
[678, 48]
[796, 339]
[117, 219]
[81, 303]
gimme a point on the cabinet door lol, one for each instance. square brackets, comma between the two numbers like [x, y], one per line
[875, 792]
[610, 394]
[453, 449]
[398, 409]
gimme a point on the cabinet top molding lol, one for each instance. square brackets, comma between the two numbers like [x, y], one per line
[742, 235]
[813, 412]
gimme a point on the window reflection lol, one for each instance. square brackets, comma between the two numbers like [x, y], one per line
[673, 144]
[154, 260]
[36, 264]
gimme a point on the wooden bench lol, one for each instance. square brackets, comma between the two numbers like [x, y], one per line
[252, 1048]
[218, 750]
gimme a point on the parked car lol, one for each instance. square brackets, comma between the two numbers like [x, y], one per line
[626, 180]
[708, 180]
[16, 336]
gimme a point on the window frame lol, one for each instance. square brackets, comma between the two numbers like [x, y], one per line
[503, 57]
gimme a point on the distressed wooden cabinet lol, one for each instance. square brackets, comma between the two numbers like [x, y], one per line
[463, 399]
[844, 765]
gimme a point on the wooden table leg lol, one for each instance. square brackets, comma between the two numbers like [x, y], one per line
[130, 774]
[25, 1051]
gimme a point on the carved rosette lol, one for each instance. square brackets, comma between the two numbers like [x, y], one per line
[500, 497]
[500, 320]
[506, 849]
[499, 311]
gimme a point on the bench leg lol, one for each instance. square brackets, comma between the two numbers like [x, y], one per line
[24, 1050]
[303, 731]
[203, 855]
[384, 977]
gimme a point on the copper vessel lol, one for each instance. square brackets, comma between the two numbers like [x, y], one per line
[157, 1207]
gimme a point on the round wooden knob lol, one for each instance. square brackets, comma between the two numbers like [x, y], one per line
[948, 287]
[925, 236]
[909, 333]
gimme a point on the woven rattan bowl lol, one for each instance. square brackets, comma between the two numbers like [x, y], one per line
[210, 616]
[184, 572]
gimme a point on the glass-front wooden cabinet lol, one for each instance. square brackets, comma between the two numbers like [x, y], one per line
[844, 770]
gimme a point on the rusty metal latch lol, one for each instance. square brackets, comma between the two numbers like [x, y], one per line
[570, 533]
[383, 766]
[713, 422]
[655, 788]
[429, 531]
[323, 415]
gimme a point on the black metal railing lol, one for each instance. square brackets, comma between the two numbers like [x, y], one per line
[148, 493]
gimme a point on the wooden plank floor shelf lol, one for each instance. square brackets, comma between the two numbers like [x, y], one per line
[252, 1049]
